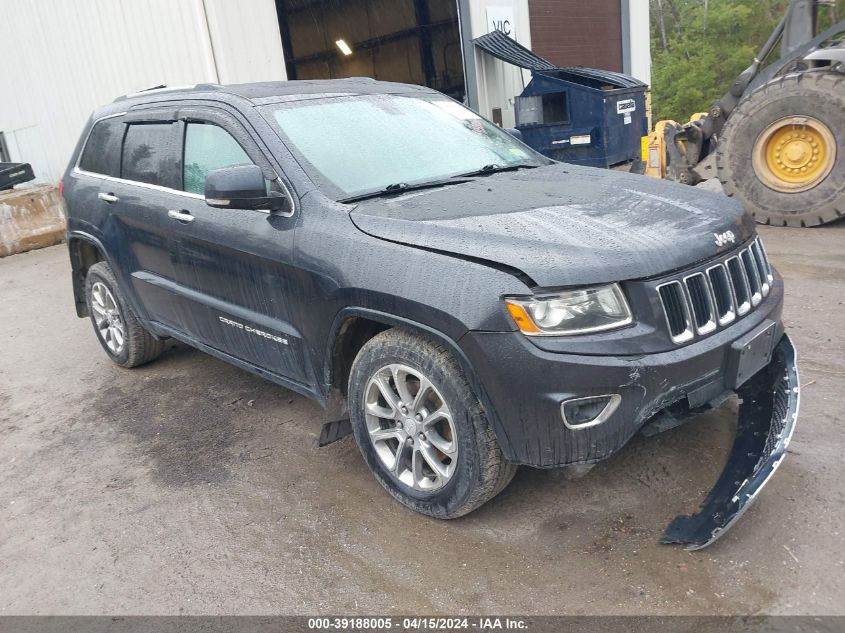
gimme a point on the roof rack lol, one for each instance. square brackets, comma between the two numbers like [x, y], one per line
[165, 88]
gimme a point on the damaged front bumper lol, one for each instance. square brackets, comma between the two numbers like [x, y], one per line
[526, 393]
[766, 421]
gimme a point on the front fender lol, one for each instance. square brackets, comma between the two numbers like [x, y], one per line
[334, 406]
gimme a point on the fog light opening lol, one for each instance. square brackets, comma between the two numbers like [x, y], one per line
[582, 413]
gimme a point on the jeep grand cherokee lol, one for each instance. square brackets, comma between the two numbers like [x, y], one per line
[461, 303]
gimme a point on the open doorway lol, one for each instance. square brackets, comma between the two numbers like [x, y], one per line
[409, 41]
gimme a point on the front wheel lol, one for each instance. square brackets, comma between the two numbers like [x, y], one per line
[421, 429]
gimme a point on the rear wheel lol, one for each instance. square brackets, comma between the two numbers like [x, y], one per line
[421, 429]
[779, 153]
[120, 333]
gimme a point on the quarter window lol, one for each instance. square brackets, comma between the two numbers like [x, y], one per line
[151, 154]
[209, 147]
[102, 151]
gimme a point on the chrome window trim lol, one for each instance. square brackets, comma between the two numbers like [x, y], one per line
[145, 185]
[78, 171]
[730, 315]
[710, 326]
[688, 333]
[290, 197]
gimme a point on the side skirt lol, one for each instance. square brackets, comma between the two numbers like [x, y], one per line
[160, 329]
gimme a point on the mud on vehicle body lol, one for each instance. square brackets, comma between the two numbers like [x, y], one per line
[460, 303]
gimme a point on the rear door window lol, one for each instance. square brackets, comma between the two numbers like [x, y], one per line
[152, 154]
[102, 151]
[209, 147]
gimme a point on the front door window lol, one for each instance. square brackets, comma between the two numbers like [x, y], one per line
[209, 147]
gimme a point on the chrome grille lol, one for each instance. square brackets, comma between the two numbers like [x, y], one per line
[701, 303]
[704, 301]
[720, 284]
[753, 276]
[739, 285]
[762, 264]
[677, 312]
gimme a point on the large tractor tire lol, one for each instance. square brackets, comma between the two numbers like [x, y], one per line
[782, 152]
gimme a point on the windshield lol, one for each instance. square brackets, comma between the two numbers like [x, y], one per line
[364, 143]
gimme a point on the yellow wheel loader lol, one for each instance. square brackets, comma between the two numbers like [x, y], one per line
[776, 140]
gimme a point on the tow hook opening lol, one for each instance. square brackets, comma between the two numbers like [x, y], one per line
[765, 423]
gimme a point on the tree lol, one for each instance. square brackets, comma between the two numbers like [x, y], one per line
[700, 46]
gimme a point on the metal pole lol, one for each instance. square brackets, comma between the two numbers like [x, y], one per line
[626, 36]
[468, 54]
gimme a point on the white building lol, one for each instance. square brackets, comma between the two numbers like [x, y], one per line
[69, 56]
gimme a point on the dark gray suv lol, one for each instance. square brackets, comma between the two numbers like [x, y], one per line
[458, 301]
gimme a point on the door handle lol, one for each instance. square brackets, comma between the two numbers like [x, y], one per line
[108, 197]
[181, 216]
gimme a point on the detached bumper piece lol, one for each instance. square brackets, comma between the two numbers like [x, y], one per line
[766, 421]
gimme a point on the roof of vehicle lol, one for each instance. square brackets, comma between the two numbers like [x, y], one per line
[259, 93]
[262, 91]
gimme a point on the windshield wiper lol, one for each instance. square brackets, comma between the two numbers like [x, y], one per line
[402, 187]
[495, 168]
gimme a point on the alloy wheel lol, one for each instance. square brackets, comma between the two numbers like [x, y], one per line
[107, 318]
[411, 428]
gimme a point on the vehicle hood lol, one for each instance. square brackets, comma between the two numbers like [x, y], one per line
[563, 225]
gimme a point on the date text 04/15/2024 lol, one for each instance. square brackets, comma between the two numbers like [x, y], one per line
[417, 624]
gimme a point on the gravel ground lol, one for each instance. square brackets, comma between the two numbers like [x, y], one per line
[189, 486]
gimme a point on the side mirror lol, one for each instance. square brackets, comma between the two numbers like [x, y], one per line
[243, 187]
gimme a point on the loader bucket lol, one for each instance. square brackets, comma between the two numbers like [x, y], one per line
[766, 421]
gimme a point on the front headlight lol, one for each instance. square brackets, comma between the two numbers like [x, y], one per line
[570, 312]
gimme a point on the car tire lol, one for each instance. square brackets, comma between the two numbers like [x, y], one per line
[117, 328]
[439, 456]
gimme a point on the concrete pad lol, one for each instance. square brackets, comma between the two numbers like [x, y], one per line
[188, 486]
